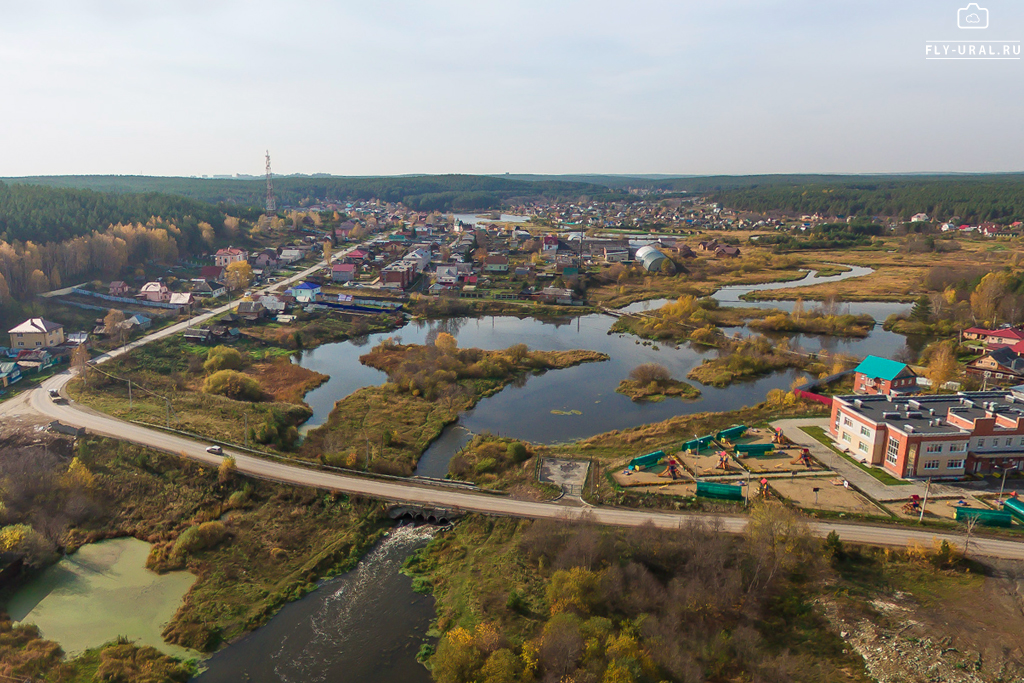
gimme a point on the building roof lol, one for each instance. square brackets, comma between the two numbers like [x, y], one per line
[35, 326]
[344, 267]
[230, 251]
[306, 285]
[153, 287]
[880, 368]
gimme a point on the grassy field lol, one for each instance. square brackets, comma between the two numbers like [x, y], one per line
[657, 391]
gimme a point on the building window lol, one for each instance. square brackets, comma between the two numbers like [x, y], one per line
[864, 431]
[931, 464]
[892, 451]
[933, 448]
[847, 422]
[954, 464]
[981, 443]
[1009, 442]
[846, 436]
[959, 447]
[862, 446]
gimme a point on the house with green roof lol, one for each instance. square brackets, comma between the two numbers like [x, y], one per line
[876, 375]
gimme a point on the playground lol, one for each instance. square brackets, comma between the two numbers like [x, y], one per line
[653, 469]
[710, 463]
[831, 495]
[937, 509]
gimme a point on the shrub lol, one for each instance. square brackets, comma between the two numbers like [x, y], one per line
[649, 372]
[486, 465]
[517, 452]
[222, 358]
[233, 384]
[197, 538]
[226, 470]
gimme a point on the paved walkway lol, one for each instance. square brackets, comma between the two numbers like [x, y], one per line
[881, 492]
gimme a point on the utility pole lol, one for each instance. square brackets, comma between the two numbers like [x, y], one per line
[246, 417]
[927, 488]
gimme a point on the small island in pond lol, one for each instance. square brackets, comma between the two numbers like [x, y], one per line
[651, 382]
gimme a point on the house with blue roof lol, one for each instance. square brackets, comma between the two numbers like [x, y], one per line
[305, 292]
[876, 375]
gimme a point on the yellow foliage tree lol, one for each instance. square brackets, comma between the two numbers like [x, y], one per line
[79, 476]
[239, 275]
[446, 342]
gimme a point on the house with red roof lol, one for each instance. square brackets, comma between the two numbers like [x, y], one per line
[1007, 336]
[225, 257]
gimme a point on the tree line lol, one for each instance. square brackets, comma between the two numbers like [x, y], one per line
[970, 199]
[421, 193]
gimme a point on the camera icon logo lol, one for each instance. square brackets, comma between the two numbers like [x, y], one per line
[972, 16]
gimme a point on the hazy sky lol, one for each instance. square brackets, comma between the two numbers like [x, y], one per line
[191, 87]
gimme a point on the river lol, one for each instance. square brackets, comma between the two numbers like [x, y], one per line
[365, 625]
[534, 409]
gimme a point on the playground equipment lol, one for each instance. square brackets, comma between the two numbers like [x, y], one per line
[709, 489]
[912, 506]
[1015, 508]
[723, 461]
[754, 449]
[985, 517]
[672, 469]
[696, 445]
[780, 439]
[762, 490]
[803, 459]
[642, 461]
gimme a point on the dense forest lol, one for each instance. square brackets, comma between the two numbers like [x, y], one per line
[975, 199]
[50, 214]
[49, 235]
[422, 193]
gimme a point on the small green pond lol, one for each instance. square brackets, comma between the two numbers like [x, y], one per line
[99, 593]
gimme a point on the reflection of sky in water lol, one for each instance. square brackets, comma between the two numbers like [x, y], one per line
[524, 410]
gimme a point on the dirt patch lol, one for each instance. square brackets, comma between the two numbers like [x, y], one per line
[286, 381]
[937, 509]
[829, 496]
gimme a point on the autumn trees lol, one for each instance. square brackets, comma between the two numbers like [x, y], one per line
[239, 275]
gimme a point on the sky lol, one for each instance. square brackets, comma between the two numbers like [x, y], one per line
[193, 87]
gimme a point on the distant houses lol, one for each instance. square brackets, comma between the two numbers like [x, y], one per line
[154, 291]
[225, 257]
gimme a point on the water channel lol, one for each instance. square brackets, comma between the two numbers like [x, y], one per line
[365, 625]
[534, 410]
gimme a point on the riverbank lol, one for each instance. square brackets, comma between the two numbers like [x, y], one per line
[252, 545]
[428, 387]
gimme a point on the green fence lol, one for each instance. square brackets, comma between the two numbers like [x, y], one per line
[985, 517]
[755, 448]
[647, 460]
[698, 444]
[709, 489]
[732, 432]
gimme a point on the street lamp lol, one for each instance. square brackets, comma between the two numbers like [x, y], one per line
[1006, 471]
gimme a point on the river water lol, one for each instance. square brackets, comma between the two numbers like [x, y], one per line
[365, 625]
[535, 409]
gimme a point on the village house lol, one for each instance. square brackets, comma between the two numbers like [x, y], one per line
[877, 375]
[154, 291]
[1004, 365]
[496, 263]
[933, 436]
[727, 251]
[119, 288]
[10, 373]
[272, 303]
[448, 275]
[181, 299]
[343, 231]
[250, 311]
[398, 275]
[229, 255]
[208, 289]
[419, 257]
[291, 255]
[212, 273]
[267, 259]
[1006, 335]
[616, 254]
[343, 272]
[36, 333]
[304, 292]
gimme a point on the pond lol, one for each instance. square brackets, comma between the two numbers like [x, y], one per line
[365, 625]
[100, 592]
[534, 409]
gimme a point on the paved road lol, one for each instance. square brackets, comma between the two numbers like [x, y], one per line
[36, 404]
